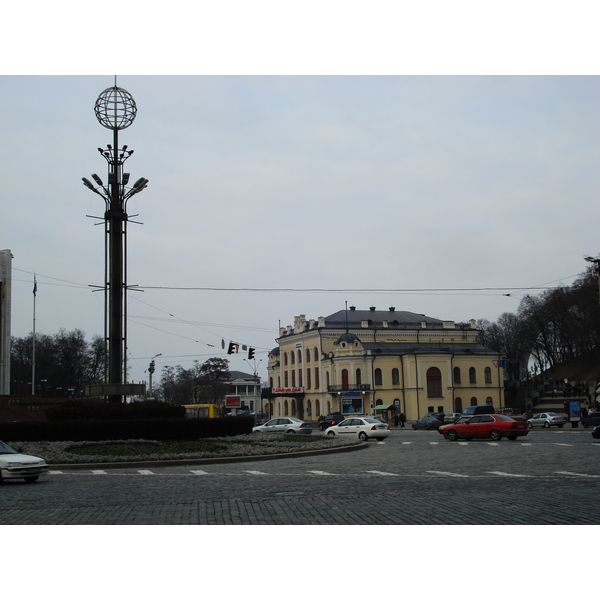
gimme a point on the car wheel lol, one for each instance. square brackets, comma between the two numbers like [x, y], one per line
[414, 426]
[495, 435]
[546, 424]
[290, 431]
[530, 425]
[452, 435]
[331, 433]
[363, 436]
[31, 479]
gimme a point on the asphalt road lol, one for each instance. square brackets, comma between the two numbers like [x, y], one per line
[414, 477]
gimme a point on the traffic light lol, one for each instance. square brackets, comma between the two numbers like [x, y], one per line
[152, 367]
[233, 348]
[250, 353]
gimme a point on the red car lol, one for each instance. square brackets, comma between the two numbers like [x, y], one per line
[487, 426]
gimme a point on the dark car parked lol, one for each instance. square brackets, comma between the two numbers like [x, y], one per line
[478, 410]
[331, 419]
[596, 432]
[591, 420]
[428, 423]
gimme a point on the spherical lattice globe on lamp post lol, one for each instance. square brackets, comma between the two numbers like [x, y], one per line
[115, 108]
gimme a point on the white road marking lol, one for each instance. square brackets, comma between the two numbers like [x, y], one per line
[384, 473]
[256, 472]
[407, 443]
[501, 473]
[145, 472]
[557, 444]
[492, 443]
[433, 443]
[576, 474]
[98, 472]
[447, 473]
[320, 473]
[55, 472]
[198, 472]
[463, 443]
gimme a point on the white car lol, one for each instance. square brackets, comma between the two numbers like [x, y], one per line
[20, 466]
[284, 425]
[362, 427]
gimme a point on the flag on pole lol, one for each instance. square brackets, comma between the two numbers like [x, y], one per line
[34, 285]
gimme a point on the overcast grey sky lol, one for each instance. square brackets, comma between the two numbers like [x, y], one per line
[328, 182]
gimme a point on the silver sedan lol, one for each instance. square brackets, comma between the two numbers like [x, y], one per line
[284, 425]
[546, 419]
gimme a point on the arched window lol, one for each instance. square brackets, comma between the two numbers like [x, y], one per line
[293, 408]
[344, 379]
[299, 357]
[456, 376]
[395, 377]
[317, 383]
[285, 408]
[489, 401]
[285, 379]
[292, 357]
[316, 354]
[299, 377]
[473, 401]
[434, 383]
[317, 408]
[378, 402]
[458, 405]
[327, 379]
[270, 382]
[285, 358]
[293, 378]
[307, 355]
[308, 379]
[472, 377]
[378, 377]
[488, 375]
[358, 377]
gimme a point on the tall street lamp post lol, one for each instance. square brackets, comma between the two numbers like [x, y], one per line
[115, 109]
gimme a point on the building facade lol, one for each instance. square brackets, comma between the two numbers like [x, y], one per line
[378, 362]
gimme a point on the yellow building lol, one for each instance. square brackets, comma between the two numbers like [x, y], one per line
[381, 362]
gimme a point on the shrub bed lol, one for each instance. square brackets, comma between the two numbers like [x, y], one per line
[153, 429]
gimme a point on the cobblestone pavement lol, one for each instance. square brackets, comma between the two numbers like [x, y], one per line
[414, 477]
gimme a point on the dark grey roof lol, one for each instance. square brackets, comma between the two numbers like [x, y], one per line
[233, 375]
[348, 337]
[401, 348]
[395, 318]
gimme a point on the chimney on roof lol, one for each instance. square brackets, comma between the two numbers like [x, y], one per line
[372, 309]
[392, 308]
[353, 308]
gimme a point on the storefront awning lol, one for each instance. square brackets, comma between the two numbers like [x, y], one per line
[384, 407]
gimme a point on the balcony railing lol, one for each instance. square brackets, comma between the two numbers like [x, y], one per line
[350, 387]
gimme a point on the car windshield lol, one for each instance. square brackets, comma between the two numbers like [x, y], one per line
[371, 420]
[552, 415]
[6, 449]
[504, 418]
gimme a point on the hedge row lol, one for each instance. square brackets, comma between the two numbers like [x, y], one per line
[77, 410]
[148, 429]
